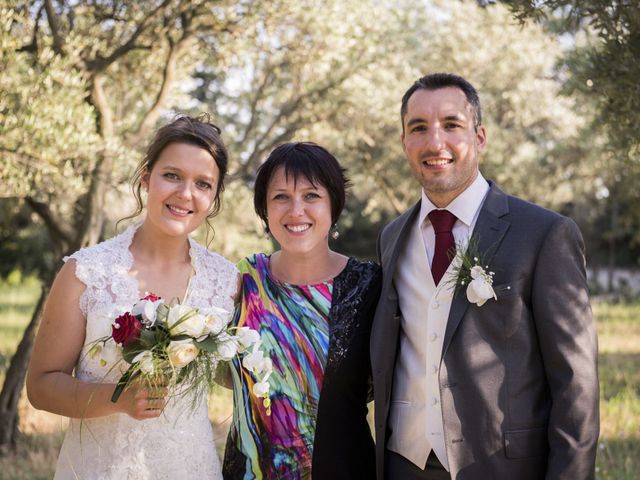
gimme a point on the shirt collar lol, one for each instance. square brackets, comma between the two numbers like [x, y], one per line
[465, 206]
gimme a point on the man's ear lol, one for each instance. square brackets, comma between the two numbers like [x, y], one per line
[402, 142]
[481, 138]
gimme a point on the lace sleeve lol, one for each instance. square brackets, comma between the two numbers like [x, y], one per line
[85, 272]
[216, 279]
[103, 269]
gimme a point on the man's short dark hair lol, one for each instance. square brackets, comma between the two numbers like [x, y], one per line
[436, 81]
[306, 159]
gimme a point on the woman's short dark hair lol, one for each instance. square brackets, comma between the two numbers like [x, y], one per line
[198, 131]
[306, 159]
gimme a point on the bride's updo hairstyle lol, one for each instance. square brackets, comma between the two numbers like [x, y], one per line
[199, 131]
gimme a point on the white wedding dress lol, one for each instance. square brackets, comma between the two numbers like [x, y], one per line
[178, 444]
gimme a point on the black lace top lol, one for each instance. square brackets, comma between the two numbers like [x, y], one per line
[343, 447]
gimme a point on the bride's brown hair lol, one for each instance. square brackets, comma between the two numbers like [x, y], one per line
[199, 131]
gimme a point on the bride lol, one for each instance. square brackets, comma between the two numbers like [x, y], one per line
[182, 173]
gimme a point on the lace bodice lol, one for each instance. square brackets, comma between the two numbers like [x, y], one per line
[104, 269]
[179, 444]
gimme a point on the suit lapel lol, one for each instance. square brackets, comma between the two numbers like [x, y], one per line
[384, 333]
[389, 256]
[490, 229]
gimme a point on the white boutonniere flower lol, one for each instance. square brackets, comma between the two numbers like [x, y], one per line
[261, 389]
[470, 275]
[480, 288]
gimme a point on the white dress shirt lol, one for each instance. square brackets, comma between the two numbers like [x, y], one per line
[466, 208]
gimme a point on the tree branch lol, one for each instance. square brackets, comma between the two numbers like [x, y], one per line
[289, 108]
[389, 191]
[89, 207]
[100, 64]
[254, 102]
[54, 24]
[367, 152]
[32, 47]
[99, 101]
[260, 150]
[58, 234]
[168, 77]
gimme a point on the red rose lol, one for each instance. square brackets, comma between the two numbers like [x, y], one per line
[126, 329]
[152, 297]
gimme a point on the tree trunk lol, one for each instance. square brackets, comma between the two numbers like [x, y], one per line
[87, 233]
[612, 245]
[14, 380]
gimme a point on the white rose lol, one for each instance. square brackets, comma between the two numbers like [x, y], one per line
[216, 319]
[247, 336]
[145, 360]
[147, 310]
[182, 352]
[260, 389]
[479, 290]
[193, 325]
[227, 347]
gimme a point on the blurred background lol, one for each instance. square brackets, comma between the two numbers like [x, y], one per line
[83, 85]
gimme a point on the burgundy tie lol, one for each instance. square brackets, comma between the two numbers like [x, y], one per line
[442, 221]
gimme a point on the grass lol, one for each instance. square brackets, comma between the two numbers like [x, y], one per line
[619, 360]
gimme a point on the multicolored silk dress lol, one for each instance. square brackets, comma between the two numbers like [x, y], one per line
[318, 339]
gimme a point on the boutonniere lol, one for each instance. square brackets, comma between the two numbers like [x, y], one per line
[470, 274]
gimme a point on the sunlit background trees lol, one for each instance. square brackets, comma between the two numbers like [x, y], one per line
[83, 84]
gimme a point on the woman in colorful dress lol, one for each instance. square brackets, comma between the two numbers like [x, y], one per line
[313, 308]
[183, 174]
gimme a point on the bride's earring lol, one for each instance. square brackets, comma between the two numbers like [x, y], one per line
[334, 232]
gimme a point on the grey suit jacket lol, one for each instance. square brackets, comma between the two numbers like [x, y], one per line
[518, 376]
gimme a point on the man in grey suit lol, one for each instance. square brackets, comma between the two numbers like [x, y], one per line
[505, 389]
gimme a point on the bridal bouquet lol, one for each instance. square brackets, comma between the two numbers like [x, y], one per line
[178, 345]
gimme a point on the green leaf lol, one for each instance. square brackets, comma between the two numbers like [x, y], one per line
[181, 337]
[208, 345]
[147, 339]
[122, 383]
[130, 351]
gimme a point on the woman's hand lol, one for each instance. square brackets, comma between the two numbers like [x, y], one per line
[143, 402]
